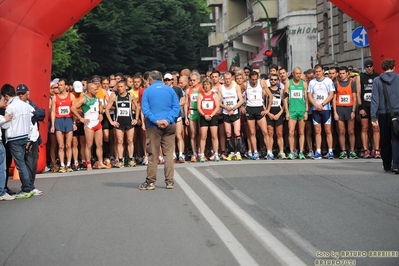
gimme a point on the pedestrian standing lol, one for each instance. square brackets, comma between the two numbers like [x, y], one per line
[3, 177]
[161, 108]
[381, 117]
[17, 135]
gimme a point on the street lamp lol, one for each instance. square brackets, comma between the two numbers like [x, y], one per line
[268, 24]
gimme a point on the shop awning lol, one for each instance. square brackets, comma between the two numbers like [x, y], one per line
[258, 60]
[222, 66]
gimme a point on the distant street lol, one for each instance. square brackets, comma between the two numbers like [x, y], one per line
[227, 213]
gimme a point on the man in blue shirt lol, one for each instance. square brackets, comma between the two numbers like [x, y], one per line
[161, 108]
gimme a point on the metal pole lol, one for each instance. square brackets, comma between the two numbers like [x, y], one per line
[268, 24]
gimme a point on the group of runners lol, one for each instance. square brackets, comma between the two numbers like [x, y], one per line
[98, 123]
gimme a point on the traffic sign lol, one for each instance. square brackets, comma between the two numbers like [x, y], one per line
[360, 37]
[216, 62]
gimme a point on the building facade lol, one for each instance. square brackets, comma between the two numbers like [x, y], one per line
[302, 33]
[335, 46]
[241, 33]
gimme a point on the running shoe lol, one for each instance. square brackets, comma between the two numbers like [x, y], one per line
[217, 158]
[37, 192]
[169, 185]
[7, 196]
[331, 156]
[147, 186]
[132, 163]
[202, 158]
[107, 162]
[282, 156]
[230, 157]
[181, 159]
[62, 170]
[377, 154]
[223, 156]
[238, 156]
[353, 155]
[317, 156]
[145, 160]
[120, 164]
[343, 155]
[249, 155]
[194, 158]
[366, 154]
[291, 156]
[310, 154]
[269, 157]
[301, 156]
[255, 156]
[212, 157]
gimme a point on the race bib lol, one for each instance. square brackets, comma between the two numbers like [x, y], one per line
[320, 97]
[296, 94]
[123, 112]
[276, 102]
[194, 97]
[344, 99]
[229, 103]
[64, 110]
[367, 97]
[94, 108]
[254, 97]
[207, 105]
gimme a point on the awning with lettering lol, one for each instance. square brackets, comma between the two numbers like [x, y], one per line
[258, 60]
[222, 66]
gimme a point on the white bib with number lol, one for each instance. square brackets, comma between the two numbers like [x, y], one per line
[296, 94]
[344, 99]
[123, 112]
[194, 97]
[367, 97]
[276, 102]
[64, 110]
[207, 105]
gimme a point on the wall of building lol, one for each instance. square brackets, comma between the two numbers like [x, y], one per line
[343, 52]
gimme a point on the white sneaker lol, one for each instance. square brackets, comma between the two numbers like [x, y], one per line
[7, 196]
[37, 192]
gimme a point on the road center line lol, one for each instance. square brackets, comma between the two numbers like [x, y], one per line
[237, 250]
[269, 241]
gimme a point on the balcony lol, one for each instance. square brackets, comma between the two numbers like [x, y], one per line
[215, 38]
[212, 3]
[271, 7]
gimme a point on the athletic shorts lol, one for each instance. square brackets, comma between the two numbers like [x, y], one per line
[296, 115]
[106, 124]
[212, 123]
[275, 123]
[253, 113]
[96, 127]
[321, 117]
[231, 118]
[124, 127]
[344, 112]
[79, 130]
[220, 118]
[367, 110]
[63, 124]
[195, 116]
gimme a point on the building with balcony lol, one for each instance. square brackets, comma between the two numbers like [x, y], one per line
[241, 34]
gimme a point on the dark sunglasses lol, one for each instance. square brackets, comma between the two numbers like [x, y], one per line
[167, 79]
[273, 79]
[368, 66]
[111, 87]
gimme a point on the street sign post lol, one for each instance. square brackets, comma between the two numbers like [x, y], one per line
[360, 37]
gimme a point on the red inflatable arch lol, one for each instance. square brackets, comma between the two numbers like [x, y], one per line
[381, 18]
[27, 29]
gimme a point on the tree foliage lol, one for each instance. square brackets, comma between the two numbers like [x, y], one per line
[133, 35]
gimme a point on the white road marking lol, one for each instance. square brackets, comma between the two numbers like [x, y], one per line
[237, 250]
[300, 241]
[269, 241]
[243, 197]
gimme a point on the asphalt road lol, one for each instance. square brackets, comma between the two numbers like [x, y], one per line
[226, 213]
